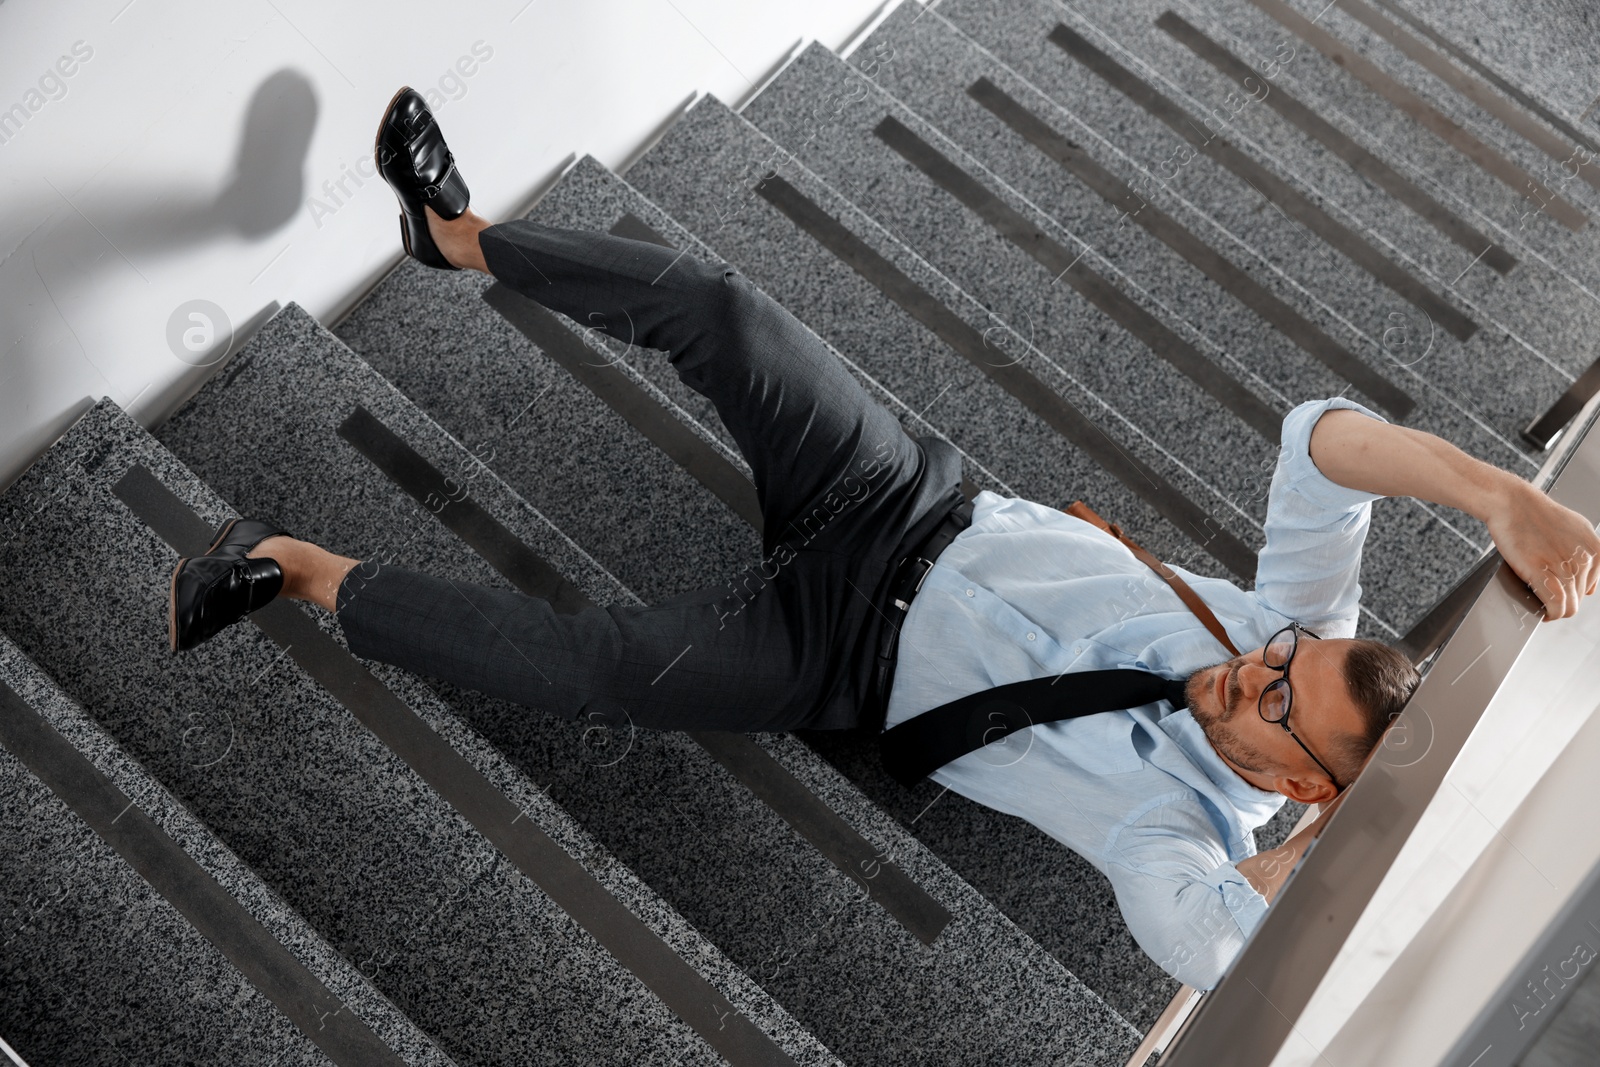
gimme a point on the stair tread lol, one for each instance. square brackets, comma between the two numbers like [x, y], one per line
[1519, 302]
[1507, 389]
[340, 981]
[324, 812]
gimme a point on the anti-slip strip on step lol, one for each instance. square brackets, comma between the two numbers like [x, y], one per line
[1426, 115]
[341, 1035]
[1011, 224]
[1341, 144]
[1271, 187]
[1515, 119]
[882, 879]
[448, 500]
[1389, 397]
[967, 342]
[1472, 63]
[1543, 431]
[464, 787]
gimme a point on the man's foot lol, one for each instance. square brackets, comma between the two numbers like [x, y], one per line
[457, 239]
[209, 593]
[310, 572]
[416, 163]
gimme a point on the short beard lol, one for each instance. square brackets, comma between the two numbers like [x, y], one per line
[1215, 726]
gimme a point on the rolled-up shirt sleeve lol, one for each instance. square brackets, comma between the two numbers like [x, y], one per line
[1183, 899]
[1310, 567]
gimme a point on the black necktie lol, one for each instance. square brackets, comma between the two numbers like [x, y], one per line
[921, 745]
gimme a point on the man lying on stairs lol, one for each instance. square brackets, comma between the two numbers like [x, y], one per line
[1171, 755]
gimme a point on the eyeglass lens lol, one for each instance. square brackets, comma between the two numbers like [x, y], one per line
[1275, 701]
[1279, 649]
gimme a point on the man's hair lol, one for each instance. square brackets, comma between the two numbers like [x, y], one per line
[1381, 679]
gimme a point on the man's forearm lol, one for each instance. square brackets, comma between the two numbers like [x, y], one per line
[1362, 453]
[1551, 547]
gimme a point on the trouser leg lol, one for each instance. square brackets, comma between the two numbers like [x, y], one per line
[840, 485]
[828, 461]
[695, 662]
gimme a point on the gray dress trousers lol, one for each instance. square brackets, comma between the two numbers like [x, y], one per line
[844, 492]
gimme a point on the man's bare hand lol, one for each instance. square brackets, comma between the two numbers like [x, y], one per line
[1267, 871]
[1552, 548]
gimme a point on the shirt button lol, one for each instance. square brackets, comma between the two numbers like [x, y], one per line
[970, 593]
[1031, 636]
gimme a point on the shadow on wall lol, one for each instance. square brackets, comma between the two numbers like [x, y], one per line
[266, 188]
[69, 261]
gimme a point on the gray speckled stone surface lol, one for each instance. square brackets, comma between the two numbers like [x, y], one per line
[1543, 306]
[1338, 97]
[99, 965]
[1543, 48]
[1491, 377]
[1409, 562]
[210, 970]
[343, 831]
[708, 848]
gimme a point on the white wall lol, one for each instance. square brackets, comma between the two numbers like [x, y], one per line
[155, 153]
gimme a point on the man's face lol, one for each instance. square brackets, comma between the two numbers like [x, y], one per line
[1224, 699]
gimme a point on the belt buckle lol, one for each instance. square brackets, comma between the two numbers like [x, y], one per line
[905, 605]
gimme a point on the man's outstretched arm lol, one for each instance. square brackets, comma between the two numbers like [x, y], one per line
[1552, 548]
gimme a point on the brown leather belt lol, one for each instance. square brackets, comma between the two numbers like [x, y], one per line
[909, 574]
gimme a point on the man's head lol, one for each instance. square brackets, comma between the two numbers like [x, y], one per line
[1346, 692]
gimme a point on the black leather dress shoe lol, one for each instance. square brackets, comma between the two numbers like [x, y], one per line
[212, 592]
[417, 164]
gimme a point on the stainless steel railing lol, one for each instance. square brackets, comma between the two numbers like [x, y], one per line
[1478, 633]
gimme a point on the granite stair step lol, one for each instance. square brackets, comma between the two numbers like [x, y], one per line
[673, 808]
[1217, 187]
[862, 152]
[1544, 308]
[131, 935]
[1388, 131]
[1390, 79]
[1522, 119]
[500, 935]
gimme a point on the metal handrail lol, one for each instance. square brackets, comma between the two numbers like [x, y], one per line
[1245, 1020]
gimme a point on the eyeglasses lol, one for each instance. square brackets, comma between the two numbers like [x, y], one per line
[1277, 697]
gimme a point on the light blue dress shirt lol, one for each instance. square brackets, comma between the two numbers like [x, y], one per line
[1027, 591]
